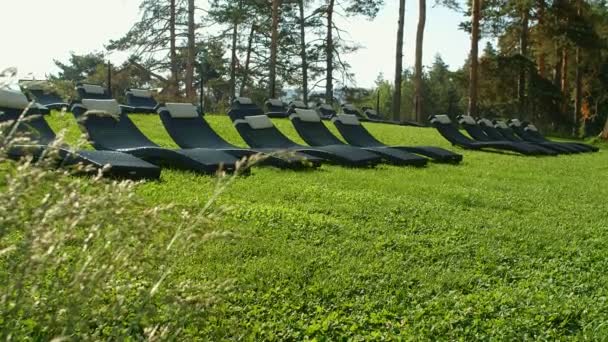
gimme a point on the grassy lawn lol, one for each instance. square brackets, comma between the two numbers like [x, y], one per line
[502, 246]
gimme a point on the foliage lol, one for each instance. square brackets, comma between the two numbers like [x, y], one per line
[443, 92]
[79, 67]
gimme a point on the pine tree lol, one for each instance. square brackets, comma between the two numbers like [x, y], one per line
[399, 64]
[418, 72]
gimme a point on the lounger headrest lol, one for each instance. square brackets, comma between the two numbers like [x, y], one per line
[108, 106]
[258, 121]
[13, 99]
[243, 100]
[442, 119]
[298, 104]
[466, 120]
[93, 89]
[325, 106]
[275, 102]
[501, 124]
[485, 122]
[371, 111]
[349, 107]
[531, 128]
[182, 110]
[515, 122]
[141, 93]
[348, 119]
[306, 115]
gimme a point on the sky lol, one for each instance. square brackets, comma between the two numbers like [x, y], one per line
[36, 32]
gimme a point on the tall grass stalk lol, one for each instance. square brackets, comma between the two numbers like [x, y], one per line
[86, 258]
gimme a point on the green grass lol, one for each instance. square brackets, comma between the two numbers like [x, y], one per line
[502, 246]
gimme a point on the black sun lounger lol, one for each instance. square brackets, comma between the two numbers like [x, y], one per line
[92, 92]
[189, 129]
[297, 104]
[510, 135]
[477, 133]
[43, 94]
[355, 134]
[275, 108]
[529, 132]
[350, 109]
[111, 129]
[258, 131]
[325, 111]
[141, 101]
[309, 126]
[491, 130]
[113, 164]
[374, 116]
[446, 128]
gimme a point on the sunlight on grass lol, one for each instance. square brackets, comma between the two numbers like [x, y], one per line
[502, 246]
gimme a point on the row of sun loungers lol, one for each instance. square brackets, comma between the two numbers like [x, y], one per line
[138, 100]
[131, 154]
[142, 101]
[514, 136]
[12, 105]
[276, 108]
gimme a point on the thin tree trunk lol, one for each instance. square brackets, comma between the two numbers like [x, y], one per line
[190, 92]
[604, 134]
[565, 84]
[247, 60]
[578, 98]
[173, 50]
[399, 63]
[233, 61]
[474, 72]
[419, 50]
[329, 52]
[523, 46]
[274, 43]
[303, 53]
[557, 70]
[579, 79]
[541, 54]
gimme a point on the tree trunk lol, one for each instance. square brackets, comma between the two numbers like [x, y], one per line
[399, 63]
[173, 50]
[247, 60]
[541, 54]
[474, 72]
[557, 71]
[523, 49]
[578, 97]
[418, 64]
[604, 134]
[190, 92]
[235, 31]
[303, 53]
[274, 43]
[578, 91]
[565, 85]
[329, 52]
